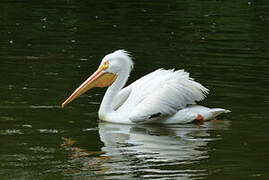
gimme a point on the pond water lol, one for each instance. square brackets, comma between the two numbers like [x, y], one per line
[48, 48]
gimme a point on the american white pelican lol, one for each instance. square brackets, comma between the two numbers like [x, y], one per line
[163, 96]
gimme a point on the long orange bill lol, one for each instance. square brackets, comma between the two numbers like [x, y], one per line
[98, 79]
[86, 85]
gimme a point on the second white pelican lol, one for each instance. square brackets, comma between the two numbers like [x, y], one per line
[163, 96]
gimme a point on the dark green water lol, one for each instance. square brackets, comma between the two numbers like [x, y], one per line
[47, 48]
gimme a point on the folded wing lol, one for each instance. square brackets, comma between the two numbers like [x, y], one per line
[160, 94]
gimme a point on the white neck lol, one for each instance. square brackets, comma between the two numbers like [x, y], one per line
[111, 93]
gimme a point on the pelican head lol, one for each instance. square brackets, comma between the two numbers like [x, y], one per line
[117, 62]
[112, 66]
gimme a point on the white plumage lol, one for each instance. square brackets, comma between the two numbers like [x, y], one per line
[163, 96]
[162, 91]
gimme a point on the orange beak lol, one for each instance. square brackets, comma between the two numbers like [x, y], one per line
[98, 79]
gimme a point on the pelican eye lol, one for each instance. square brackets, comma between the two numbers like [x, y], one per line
[105, 65]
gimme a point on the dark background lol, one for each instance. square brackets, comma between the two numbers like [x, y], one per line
[47, 48]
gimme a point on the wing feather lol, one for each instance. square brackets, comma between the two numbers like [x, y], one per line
[122, 97]
[162, 91]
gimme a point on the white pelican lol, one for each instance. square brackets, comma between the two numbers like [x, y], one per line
[163, 96]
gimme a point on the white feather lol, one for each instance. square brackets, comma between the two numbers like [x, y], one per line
[163, 96]
[162, 91]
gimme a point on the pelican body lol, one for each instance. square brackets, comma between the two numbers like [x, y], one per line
[163, 96]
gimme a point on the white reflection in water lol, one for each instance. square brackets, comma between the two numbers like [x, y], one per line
[156, 151]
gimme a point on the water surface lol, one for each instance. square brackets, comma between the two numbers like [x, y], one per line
[48, 48]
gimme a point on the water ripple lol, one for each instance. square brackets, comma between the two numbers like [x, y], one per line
[151, 151]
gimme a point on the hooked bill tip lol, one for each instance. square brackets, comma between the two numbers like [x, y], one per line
[62, 105]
